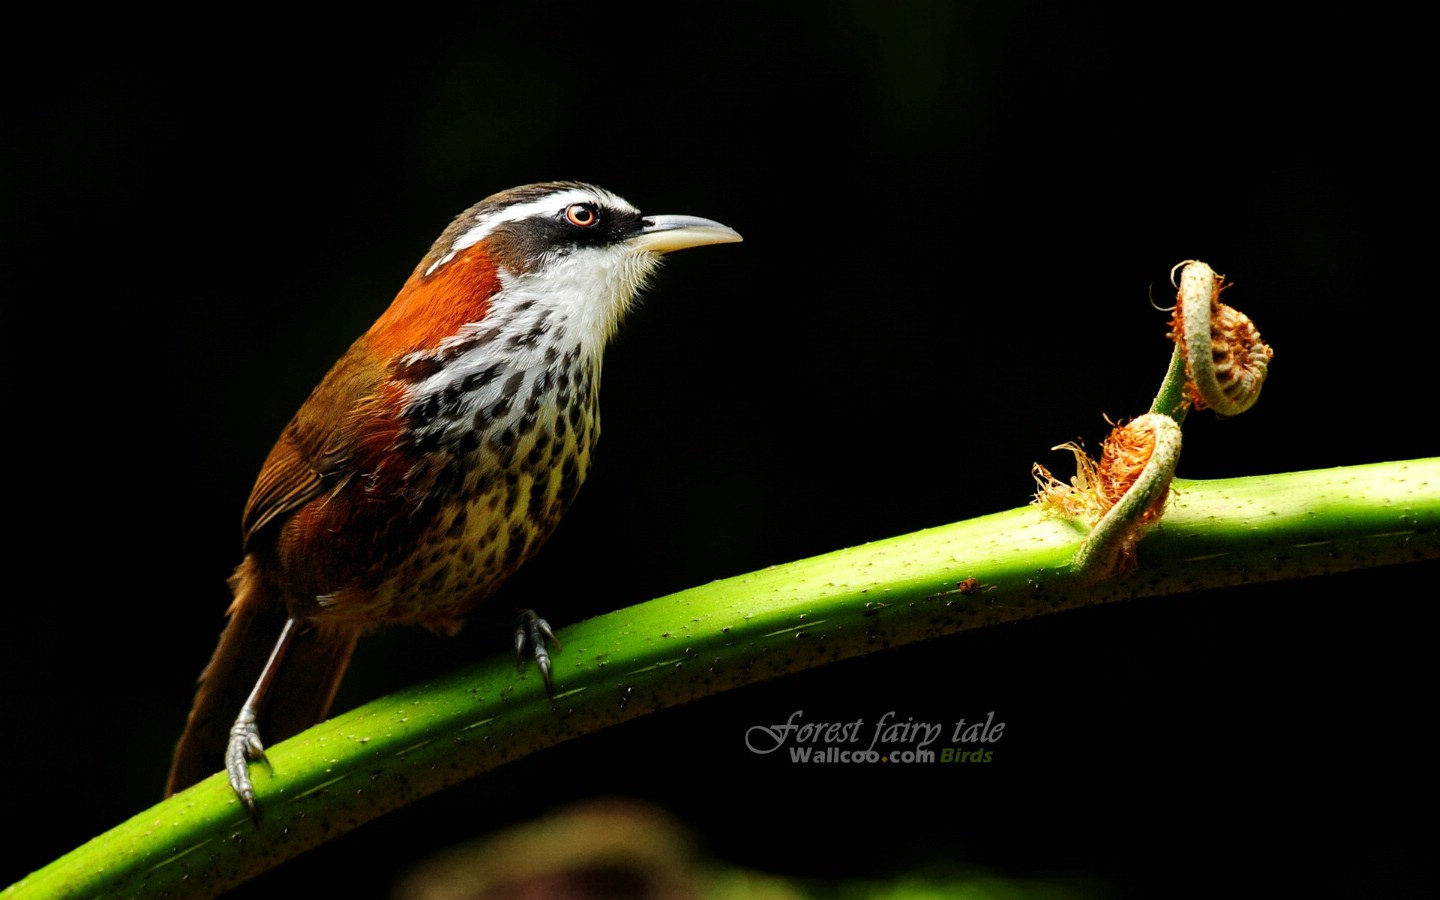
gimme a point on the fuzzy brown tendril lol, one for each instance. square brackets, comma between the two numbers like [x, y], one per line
[1226, 360]
[1120, 495]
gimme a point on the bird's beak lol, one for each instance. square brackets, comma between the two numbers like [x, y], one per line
[662, 234]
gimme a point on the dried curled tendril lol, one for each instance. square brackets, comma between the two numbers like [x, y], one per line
[1225, 359]
[1120, 495]
[1124, 492]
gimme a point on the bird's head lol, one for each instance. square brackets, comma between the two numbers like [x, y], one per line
[536, 257]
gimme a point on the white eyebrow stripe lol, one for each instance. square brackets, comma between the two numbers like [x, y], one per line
[549, 203]
[438, 263]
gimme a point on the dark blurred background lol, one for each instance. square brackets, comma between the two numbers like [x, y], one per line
[955, 217]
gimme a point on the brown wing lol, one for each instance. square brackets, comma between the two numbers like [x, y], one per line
[316, 453]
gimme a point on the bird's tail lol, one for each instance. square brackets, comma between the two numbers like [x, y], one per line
[299, 696]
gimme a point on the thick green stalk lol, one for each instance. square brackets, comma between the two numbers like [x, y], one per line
[699, 642]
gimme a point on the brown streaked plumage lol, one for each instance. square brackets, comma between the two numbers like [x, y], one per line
[431, 462]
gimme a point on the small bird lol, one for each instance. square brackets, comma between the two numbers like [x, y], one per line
[432, 461]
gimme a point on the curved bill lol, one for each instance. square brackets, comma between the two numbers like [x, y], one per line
[662, 234]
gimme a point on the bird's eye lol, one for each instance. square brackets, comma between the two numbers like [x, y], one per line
[581, 215]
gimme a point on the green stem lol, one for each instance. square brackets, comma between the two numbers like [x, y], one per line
[739, 631]
[1171, 400]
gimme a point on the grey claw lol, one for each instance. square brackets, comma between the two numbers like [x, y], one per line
[244, 747]
[534, 632]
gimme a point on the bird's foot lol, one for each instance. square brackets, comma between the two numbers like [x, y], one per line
[534, 632]
[244, 747]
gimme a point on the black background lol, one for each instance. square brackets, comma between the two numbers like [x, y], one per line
[954, 215]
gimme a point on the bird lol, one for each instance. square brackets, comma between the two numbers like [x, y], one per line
[430, 463]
